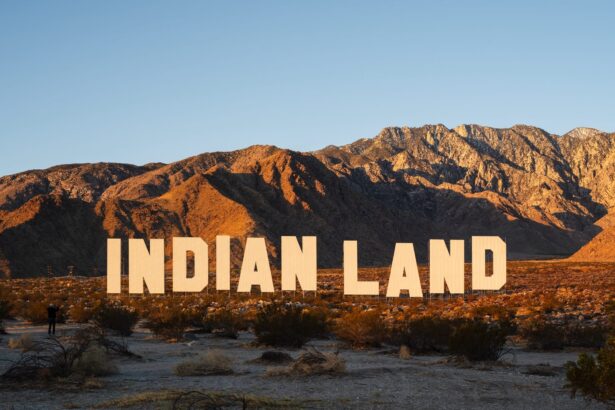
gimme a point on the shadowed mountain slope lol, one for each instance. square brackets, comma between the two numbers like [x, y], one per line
[541, 192]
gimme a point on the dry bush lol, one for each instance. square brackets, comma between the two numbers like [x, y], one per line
[541, 334]
[477, 340]
[424, 334]
[312, 362]
[214, 362]
[61, 357]
[273, 357]
[36, 312]
[116, 317]
[81, 312]
[24, 342]
[170, 322]
[5, 312]
[361, 329]
[225, 323]
[594, 377]
[289, 325]
[586, 335]
[94, 361]
[544, 335]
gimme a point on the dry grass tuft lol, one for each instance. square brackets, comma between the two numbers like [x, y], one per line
[214, 362]
[95, 362]
[23, 342]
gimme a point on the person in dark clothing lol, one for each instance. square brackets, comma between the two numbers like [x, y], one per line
[52, 314]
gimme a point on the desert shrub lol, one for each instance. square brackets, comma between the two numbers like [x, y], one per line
[312, 362]
[273, 357]
[593, 376]
[361, 329]
[116, 317]
[424, 334]
[541, 334]
[36, 312]
[81, 312]
[94, 361]
[225, 323]
[5, 312]
[24, 342]
[289, 325]
[581, 335]
[477, 340]
[61, 357]
[170, 322]
[214, 362]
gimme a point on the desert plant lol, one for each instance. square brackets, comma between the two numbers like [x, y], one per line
[61, 357]
[5, 312]
[477, 340]
[36, 312]
[424, 334]
[94, 361]
[214, 362]
[116, 317]
[361, 329]
[24, 342]
[225, 323]
[81, 312]
[169, 323]
[541, 334]
[594, 376]
[585, 335]
[312, 362]
[280, 324]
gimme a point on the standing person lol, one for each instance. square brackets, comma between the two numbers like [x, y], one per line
[52, 313]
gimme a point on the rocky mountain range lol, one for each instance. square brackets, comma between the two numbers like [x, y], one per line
[549, 196]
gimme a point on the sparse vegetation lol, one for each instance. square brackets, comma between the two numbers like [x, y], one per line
[592, 376]
[541, 334]
[24, 342]
[94, 361]
[476, 340]
[116, 317]
[85, 353]
[212, 363]
[361, 329]
[169, 323]
[312, 362]
[5, 312]
[279, 324]
[424, 334]
[226, 323]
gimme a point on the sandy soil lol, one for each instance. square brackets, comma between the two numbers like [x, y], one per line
[375, 378]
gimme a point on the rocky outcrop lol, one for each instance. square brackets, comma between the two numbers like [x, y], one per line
[541, 192]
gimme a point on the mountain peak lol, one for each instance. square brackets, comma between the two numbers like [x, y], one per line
[583, 132]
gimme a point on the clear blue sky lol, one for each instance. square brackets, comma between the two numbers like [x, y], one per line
[141, 81]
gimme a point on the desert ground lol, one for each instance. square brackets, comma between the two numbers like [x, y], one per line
[373, 377]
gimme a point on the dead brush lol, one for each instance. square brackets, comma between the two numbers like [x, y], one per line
[24, 342]
[84, 353]
[312, 362]
[214, 362]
